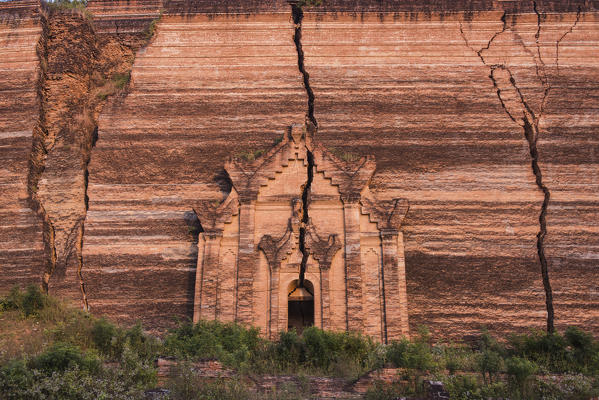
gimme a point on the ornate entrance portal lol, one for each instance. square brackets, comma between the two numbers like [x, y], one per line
[300, 305]
[301, 216]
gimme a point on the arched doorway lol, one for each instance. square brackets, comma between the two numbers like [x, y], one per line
[300, 306]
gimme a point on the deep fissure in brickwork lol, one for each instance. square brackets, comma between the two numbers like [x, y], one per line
[514, 104]
[298, 16]
[531, 134]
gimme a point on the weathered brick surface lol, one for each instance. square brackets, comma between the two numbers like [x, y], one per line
[21, 244]
[401, 82]
[408, 89]
[235, 86]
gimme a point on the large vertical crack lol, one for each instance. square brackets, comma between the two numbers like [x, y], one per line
[78, 71]
[518, 109]
[38, 155]
[298, 16]
[60, 150]
[305, 218]
[531, 132]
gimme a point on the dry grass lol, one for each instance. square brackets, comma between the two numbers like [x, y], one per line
[22, 336]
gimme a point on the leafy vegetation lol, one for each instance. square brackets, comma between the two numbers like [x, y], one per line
[309, 3]
[70, 6]
[117, 83]
[316, 351]
[152, 27]
[251, 155]
[65, 353]
[49, 350]
[188, 385]
[345, 155]
[67, 4]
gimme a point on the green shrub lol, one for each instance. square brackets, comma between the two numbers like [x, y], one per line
[146, 347]
[62, 356]
[380, 390]
[232, 344]
[341, 353]
[519, 371]
[457, 357]
[497, 390]
[289, 351]
[415, 355]
[12, 301]
[138, 372]
[75, 328]
[187, 385]
[15, 376]
[103, 333]
[29, 303]
[488, 342]
[467, 387]
[315, 351]
[574, 352]
[76, 384]
[64, 372]
[463, 387]
[584, 351]
[568, 387]
[83, 330]
[549, 351]
[489, 363]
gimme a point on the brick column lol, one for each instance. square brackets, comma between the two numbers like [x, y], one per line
[323, 251]
[392, 312]
[403, 292]
[210, 272]
[325, 298]
[394, 285]
[273, 328]
[197, 300]
[389, 215]
[246, 262]
[353, 265]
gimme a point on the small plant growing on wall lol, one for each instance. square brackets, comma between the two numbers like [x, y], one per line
[117, 82]
[345, 155]
[309, 3]
[250, 155]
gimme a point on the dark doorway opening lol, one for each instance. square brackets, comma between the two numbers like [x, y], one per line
[300, 306]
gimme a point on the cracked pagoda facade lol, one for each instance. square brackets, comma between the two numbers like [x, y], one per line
[301, 240]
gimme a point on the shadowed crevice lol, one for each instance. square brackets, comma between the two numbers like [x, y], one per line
[38, 156]
[531, 134]
[529, 120]
[298, 16]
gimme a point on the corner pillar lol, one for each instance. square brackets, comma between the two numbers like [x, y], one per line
[273, 315]
[394, 286]
[209, 267]
[353, 264]
[247, 261]
[197, 301]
